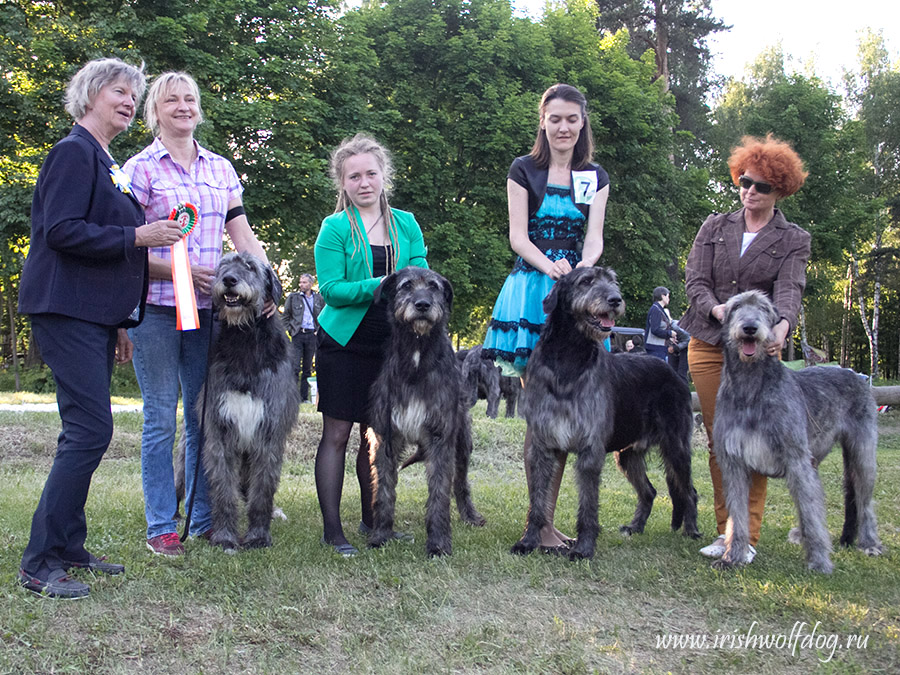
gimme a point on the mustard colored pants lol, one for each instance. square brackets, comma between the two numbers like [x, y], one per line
[705, 363]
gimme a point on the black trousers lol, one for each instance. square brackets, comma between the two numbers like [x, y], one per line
[304, 353]
[80, 355]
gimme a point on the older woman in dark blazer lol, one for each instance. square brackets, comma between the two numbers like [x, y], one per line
[84, 281]
[754, 247]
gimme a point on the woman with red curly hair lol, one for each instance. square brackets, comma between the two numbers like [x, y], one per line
[754, 247]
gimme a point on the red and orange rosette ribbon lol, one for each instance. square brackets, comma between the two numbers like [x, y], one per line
[185, 301]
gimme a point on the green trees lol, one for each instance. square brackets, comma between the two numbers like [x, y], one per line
[452, 87]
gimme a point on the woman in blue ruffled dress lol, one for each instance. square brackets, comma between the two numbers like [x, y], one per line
[557, 202]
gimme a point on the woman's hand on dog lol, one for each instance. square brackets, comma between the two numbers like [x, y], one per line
[559, 268]
[203, 278]
[779, 334]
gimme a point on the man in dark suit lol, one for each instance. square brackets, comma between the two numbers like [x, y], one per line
[301, 311]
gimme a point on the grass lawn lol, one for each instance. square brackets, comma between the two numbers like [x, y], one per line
[298, 608]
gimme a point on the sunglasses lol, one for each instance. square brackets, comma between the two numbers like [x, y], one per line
[761, 188]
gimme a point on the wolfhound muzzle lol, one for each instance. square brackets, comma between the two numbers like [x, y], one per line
[418, 400]
[582, 400]
[782, 423]
[253, 402]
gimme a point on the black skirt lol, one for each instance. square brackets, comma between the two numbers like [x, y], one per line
[345, 375]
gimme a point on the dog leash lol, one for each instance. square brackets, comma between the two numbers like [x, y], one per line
[189, 508]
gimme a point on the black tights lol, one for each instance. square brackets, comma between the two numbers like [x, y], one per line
[330, 475]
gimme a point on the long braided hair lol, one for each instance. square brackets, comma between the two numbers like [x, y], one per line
[358, 145]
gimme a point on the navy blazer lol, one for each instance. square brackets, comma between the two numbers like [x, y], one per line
[82, 261]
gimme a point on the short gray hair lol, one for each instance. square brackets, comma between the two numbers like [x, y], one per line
[160, 88]
[307, 275]
[95, 75]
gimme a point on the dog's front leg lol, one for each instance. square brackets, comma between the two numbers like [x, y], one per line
[587, 474]
[736, 485]
[542, 463]
[262, 485]
[437, 507]
[384, 477]
[223, 486]
[809, 497]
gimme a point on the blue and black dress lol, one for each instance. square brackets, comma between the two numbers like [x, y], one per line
[556, 227]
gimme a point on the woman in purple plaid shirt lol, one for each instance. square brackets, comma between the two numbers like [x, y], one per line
[171, 170]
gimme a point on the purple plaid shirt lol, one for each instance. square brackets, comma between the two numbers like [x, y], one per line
[159, 183]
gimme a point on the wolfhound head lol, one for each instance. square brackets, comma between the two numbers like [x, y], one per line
[749, 319]
[241, 286]
[587, 297]
[418, 299]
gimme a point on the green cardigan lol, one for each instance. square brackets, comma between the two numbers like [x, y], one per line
[344, 278]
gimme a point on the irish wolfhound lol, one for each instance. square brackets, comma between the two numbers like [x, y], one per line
[482, 379]
[417, 400]
[782, 423]
[253, 402]
[580, 399]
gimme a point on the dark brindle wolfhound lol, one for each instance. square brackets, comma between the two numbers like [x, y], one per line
[582, 400]
[253, 402]
[418, 400]
[782, 423]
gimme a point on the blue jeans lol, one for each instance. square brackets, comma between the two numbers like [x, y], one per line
[164, 358]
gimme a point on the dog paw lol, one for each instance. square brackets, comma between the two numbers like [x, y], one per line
[437, 551]
[258, 542]
[520, 548]
[872, 549]
[627, 530]
[228, 544]
[693, 533]
[723, 564]
[474, 519]
[379, 538]
[278, 513]
[583, 553]
[823, 566]
[794, 536]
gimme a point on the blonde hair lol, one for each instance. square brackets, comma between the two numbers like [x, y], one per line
[362, 144]
[160, 88]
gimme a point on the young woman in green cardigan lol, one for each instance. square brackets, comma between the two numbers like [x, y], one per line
[361, 243]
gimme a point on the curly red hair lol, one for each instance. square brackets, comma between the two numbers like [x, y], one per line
[774, 160]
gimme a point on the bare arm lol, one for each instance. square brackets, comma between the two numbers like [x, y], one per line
[242, 236]
[518, 234]
[593, 239]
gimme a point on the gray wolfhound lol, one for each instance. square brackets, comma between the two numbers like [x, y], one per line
[782, 423]
[580, 399]
[483, 380]
[418, 400]
[253, 402]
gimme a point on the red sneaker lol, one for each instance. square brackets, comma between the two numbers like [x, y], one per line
[166, 544]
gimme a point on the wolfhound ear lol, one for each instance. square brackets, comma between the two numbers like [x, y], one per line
[386, 288]
[448, 292]
[273, 285]
[550, 300]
